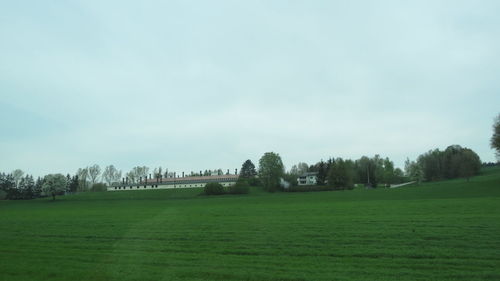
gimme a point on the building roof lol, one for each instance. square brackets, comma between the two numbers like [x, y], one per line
[195, 178]
[181, 180]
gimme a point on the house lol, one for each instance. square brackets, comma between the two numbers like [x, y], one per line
[175, 182]
[307, 178]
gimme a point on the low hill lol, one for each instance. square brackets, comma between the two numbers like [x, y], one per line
[433, 231]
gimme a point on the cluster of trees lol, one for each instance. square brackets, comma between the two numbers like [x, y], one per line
[334, 174]
[338, 173]
[17, 186]
[454, 162]
[87, 177]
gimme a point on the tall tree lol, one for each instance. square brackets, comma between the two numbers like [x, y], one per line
[94, 172]
[8, 185]
[495, 138]
[470, 164]
[413, 170]
[17, 174]
[83, 174]
[137, 173]
[37, 192]
[54, 184]
[73, 186]
[248, 170]
[68, 183]
[432, 164]
[299, 169]
[388, 176]
[157, 172]
[271, 170]
[111, 175]
[322, 173]
[26, 187]
[340, 174]
[366, 171]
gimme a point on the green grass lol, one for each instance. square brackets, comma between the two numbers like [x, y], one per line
[436, 231]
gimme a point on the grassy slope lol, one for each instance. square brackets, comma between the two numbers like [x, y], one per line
[437, 231]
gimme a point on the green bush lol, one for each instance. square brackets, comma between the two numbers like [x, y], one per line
[214, 188]
[241, 187]
[254, 181]
[97, 187]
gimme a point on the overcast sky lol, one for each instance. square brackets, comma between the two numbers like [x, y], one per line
[195, 85]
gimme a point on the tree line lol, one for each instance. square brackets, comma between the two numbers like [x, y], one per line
[336, 173]
[454, 162]
[16, 185]
[340, 174]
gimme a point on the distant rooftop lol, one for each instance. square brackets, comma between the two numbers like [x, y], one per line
[182, 180]
[193, 178]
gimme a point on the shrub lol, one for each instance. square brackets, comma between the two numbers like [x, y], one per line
[98, 187]
[214, 188]
[241, 187]
[254, 181]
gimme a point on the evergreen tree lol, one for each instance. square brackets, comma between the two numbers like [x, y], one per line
[340, 175]
[68, 183]
[322, 173]
[248, 170]
[8, 185]
[74, 183]
[37, 191]
[26, 187]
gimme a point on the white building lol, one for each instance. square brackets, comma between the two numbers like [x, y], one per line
[307, 178]
[175, 182]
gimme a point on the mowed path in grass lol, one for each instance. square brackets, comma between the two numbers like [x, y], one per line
[437, 231]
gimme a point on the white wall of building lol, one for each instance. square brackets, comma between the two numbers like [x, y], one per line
[165, 186]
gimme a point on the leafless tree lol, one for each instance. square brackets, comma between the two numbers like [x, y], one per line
[94, 172]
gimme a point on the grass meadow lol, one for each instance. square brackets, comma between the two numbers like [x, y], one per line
[435, 231]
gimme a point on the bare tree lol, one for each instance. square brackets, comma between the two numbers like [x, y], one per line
[111, 175]
[83, 175]
[157, 172]
[17, 174]
[137, 173]
[131, 177]
[118, 176]
[94, 172]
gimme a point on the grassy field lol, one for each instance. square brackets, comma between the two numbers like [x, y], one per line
[437, 231]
